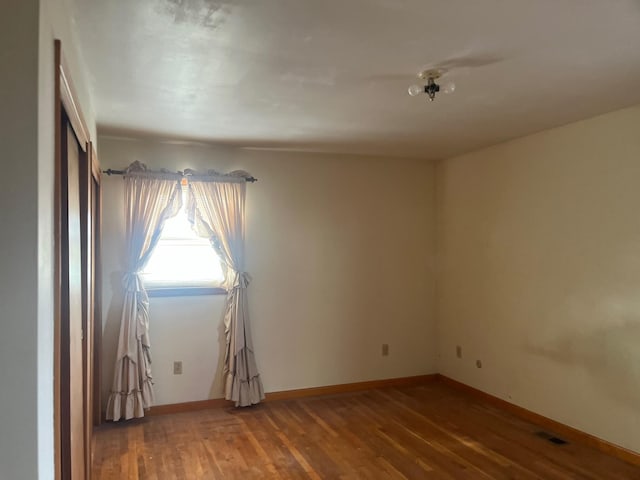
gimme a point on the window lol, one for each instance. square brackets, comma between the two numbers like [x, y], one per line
[182, 262]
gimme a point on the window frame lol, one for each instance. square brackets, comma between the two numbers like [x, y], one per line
[184, 291]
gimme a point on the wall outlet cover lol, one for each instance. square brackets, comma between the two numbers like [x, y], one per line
[177, 368]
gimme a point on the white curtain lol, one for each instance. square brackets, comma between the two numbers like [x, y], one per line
[216, 206]
[150, 199]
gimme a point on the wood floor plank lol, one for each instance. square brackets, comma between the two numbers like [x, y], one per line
[430, 431]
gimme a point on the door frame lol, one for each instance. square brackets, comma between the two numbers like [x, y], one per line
[91, 224]
[66, 100]
[95, 209]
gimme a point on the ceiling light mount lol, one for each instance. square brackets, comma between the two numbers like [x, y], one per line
[431, 87]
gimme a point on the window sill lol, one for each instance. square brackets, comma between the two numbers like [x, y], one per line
[184, 291]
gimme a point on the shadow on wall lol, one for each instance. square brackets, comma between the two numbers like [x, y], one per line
[110, 333]
[610, 355]
[217, 385]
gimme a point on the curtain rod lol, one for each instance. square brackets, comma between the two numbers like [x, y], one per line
[111, 171]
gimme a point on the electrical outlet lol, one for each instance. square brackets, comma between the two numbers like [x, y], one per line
[385, 349]
[177, 368]
[458, 351]
[479, 363]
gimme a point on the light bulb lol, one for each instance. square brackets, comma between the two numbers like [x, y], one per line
[415, 90]
[449, 88]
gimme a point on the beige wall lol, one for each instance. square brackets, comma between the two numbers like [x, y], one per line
[539, 273]
[27, 31]
[340, 250]
[55, 23]
[18, 240]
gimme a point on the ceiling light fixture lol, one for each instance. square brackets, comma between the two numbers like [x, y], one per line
[431, 87]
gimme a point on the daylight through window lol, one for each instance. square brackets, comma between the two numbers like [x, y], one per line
[181, 258]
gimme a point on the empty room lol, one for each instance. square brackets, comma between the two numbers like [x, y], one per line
[303, 239]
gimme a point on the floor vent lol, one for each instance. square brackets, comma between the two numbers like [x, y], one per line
[551, 438]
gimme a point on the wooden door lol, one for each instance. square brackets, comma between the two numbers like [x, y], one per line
[77, 286]
[74, 319]
[90, 206]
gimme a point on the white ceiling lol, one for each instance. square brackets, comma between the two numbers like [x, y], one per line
[332, 75]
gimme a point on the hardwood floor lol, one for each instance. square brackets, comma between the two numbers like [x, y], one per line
[429, 431]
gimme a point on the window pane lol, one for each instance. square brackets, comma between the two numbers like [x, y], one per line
[179, 227]
[183, 264]
[181, 258]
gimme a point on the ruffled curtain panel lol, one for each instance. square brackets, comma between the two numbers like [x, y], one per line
[150, 199]
[216, 207]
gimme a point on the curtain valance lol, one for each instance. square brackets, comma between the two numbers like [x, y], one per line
[139, 169]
